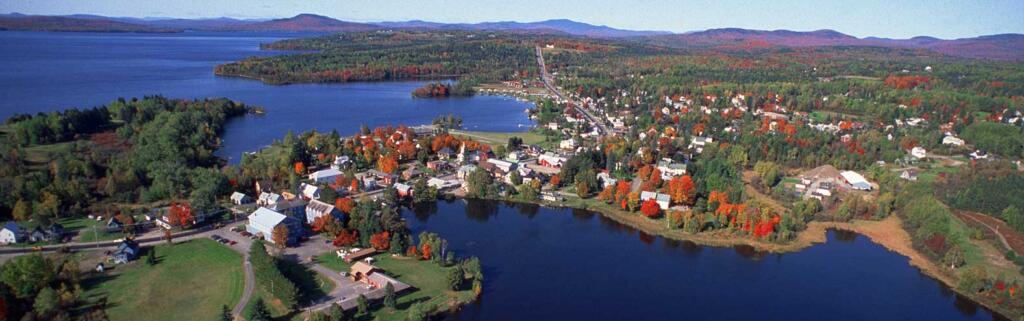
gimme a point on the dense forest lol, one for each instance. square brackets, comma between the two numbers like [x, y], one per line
[60, 164]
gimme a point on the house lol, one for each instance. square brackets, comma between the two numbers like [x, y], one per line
[670, 169]
[504, 166]
[52, 233]
[315, 209]
[404, 190]
[239, 198]
[978, 154]
[952, 140]
[358, 255]
[269, 199]
[437, 165]
[309, 191]
[909, 174]
[551, 196]
[382, 177]
[855, 180]
[341, 162]
[126, 252]
[369, 183]
[515, 156]
[12, 233]
[445, 153]
[918, 152]
[464, 171]
[697, 143]
[663, 200]
[568, 144]
[325, 175]
[264, 220]
[551, 160]
[411, 172]
[374, 277]
[606, 180]
[114, 224]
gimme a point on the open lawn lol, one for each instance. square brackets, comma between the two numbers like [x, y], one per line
[191, 281]
[529, 138]
[931, 174]
[427, 278]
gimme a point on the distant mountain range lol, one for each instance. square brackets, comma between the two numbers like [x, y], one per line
[1003, 46]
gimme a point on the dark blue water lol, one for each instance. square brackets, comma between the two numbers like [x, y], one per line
[52, 71]
[561, 264]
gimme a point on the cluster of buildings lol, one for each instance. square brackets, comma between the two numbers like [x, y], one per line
[824, 181]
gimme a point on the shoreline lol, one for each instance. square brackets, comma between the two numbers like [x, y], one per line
[888, 233]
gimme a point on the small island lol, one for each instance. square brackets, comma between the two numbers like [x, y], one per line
[443, 90]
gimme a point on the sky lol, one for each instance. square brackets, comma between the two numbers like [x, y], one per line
[946, 19]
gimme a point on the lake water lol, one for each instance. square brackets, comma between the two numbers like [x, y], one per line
[53, 71]
[540, 263]
[563, 264]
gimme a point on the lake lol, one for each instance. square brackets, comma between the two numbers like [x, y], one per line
[540, 263]
[562, 264]
[47, 71]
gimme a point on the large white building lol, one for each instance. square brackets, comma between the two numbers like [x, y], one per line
[855, 180]
[325, 176]
[264, 220]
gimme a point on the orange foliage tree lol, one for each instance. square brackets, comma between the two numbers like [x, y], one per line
[426, 251]
[556, 181]
[346, 238]
[321, 223]
[387, 164]
[344, 204]
[381, 241]
[280, 235]
[681, 189]
[300, 168]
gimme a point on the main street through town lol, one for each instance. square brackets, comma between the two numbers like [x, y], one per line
[549, 83]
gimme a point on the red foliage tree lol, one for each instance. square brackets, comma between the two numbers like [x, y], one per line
[346, 238]
[650, 208]
[556, 181]
[681, 189]
[381, 241]
[180, 214]
[387, 164]
[321, 223]
[411, 251]
[300, 168]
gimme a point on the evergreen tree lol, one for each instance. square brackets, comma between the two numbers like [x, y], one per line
[225, 313]
[259, 311]
[362, 306]
[151, 256]
[389, 295]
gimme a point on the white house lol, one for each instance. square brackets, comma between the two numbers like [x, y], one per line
[325, 175]
[309, 191]
[855, 180]
[663, 200]
[315, 209]
[909, 174]
[567, 144]
[551, 160]
[697, 143]
[918, 152]
[606, 180]
[269, 199]
[341, 162]
[671, 169]
[264, 220]
[504, 166]
[239, 198]
[11, 233]
[952, 140]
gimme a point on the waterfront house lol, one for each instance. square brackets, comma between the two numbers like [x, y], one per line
[325, 175]
[358, 255]
[464, 171]
[12, 233]
[663, 200]
[315, 209]
[263, 221]
[404, 190]
[606, 180]
[239, 198]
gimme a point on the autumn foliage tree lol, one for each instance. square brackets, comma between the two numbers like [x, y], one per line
[280, 235]
[387, 164]
[345, 204]
[180, 214]
[300, 168]
[346, 238]
[426, 251]
[681, 189]
[650, 208]
[381, 241]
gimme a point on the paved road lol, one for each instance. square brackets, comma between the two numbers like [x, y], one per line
[549, 83]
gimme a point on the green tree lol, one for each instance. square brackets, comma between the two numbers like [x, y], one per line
[225, 313]
[416, 313]
[328, 194]
[1014, 217]
[259, 311]
[151, 256]
[46, 302]
[389, 296]
[362, 306]
[455, 278]
[338, 314]
[26, 275]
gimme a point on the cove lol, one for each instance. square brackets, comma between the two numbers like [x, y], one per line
[545, 264]
[48, 71]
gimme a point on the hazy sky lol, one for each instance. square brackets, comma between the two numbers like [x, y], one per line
[885, 18]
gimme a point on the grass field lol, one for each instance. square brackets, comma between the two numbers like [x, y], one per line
[428, 279]
[192, 281]
[931, 174]
[529, 138]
